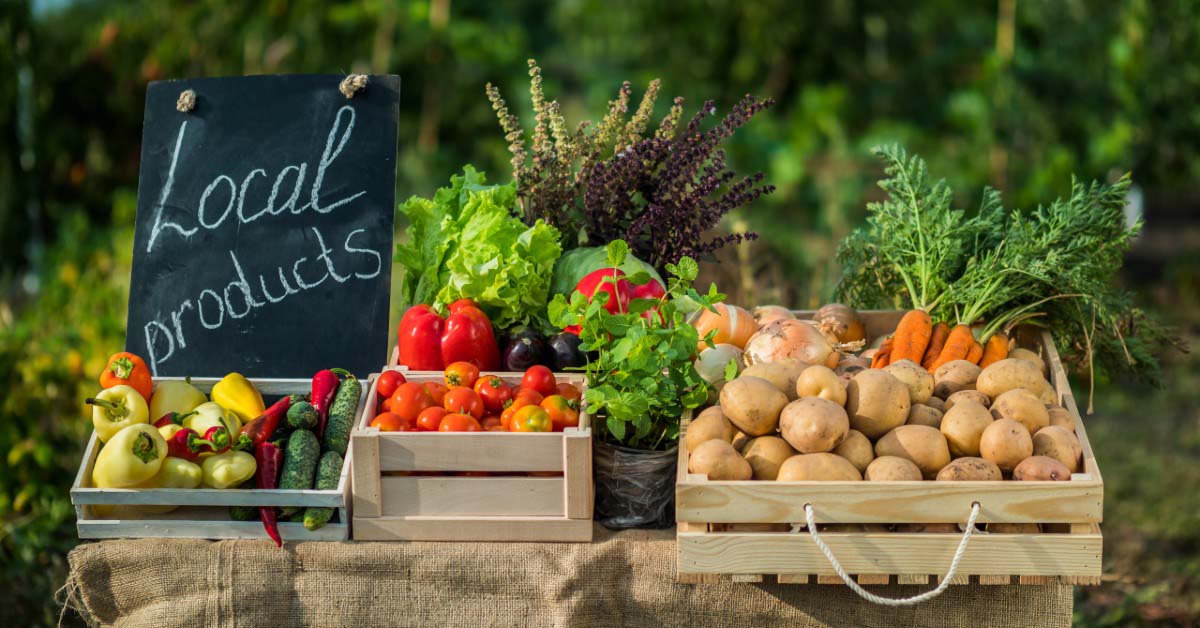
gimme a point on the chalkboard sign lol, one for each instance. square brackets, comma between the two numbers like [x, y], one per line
[264, 226]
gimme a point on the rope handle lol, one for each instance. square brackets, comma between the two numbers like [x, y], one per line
[908, 601]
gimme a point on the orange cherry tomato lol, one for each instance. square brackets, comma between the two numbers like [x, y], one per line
[461, 374]
[409, 400]
[491, 423]
[455, 422]
[388, 382]
[390, 422]
[431, 418]
[562, 411]
[531, 419]
[463, 400]
[526, 397]
[541, 379]
[570, 391]
[437, 390]
[494, 392]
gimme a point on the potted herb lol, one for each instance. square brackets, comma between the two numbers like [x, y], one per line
[641, 380]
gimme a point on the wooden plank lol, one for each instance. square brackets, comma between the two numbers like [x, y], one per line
[430, 496]
[894, 553]
[577, 473]
[889, 502]
[906, 578]
[985, 579]
[1036, 580]
[747, 578]
[510, 529]
[367, 490]
[822, 579]
[207, 497]
[174, 529]
[1062, 385]
[878, 578]
[793, 578]
[470, 451]
[268, 386]
[959, 578]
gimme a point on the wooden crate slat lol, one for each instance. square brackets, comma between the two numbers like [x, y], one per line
[218, 529]
[577, 471]
[409, 496]
[445, 528]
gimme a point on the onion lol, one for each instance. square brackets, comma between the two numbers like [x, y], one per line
[842, 321]
[790, 339]
[764, 314]
[733, 324]
[711, 363]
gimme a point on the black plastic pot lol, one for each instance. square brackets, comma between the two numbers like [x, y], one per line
[635, 488]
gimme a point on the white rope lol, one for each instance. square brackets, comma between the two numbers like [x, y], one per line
[908, 601]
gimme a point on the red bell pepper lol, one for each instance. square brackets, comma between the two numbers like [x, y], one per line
[261, 428]
[649, 290]
[324, 385]
[269, 458]
[187, 444]
[429, 343]
[619, 289]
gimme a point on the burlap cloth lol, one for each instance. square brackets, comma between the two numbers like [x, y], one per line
[625, 579]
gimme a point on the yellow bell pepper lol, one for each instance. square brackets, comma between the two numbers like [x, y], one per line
[212, 414]
[169, 430]
[117, 408]
[236, 394]
[134, 455]
[181, 397]
[228, 470]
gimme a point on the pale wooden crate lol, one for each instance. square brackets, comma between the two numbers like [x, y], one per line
[203, 513]
[392, 505]
[719, 535]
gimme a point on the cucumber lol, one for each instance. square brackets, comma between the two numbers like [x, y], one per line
[329, 471]
[299, 464]
[341, 415]
[303, 416]
[243, 513]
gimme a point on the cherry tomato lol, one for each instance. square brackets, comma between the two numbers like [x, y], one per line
[506, 417]
[409, 400]
[391, 422]
[526, 397]
[463, 400]
[563, 412]
[494, 392]
[491, 423]
[461, 374]
[531, 419]
[455, 422]
[539, 378]
[437, 390]
[388, 382]
[430, 418]
[570, 391]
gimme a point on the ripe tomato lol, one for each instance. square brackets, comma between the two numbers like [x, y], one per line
[430, 418]
[455, 422]
[388, 382]
[562, 411]
[463, 400]
[437, 390]
[570, 391]
[461, 374]
[531, 419]
[491, 424]
[409, 400]
[526, 397]
[506, 417]
[494, 392]
[539, 378]
[390, 422]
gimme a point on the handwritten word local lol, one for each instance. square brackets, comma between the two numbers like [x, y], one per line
[238, 298]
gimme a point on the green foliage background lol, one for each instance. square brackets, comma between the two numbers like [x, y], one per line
[1016, 94]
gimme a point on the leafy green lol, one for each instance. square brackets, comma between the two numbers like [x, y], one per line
[465, 242]
[642, 376]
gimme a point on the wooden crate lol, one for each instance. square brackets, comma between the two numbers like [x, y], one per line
[720, 523]
[203, 513]
[392, 503]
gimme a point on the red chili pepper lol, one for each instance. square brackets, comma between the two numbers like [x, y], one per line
[420, 339]
[187, 444]
[173, 418]
[429, 343]
[269, 457]
[262, 427]
[324, 385]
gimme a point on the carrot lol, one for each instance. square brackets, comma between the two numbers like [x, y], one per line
[958, 344]
[883, 354]
[975, 352]
[912, 336]
[995, 350]
[937, 340]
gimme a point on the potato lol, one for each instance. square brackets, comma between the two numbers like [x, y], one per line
[813, 425]
[876, 402]
[921, 414]
[782, 374]
[739, 440]
[857, 449]
[969, 470]
[918, 380]
[1018, 404]
[825, 467]
[753, 404]
[937, 403]
[892, 469]
[954, 376]
[1061, 416]
[1059, 443]
[1041, 469]
[719, 461]
[922, 444]
[821, 381]
[708, 426]
[1007, 374]
[1006, 443]
[1031, 357]
[1048, 394]
[973, 395]
[849, 365]
[765, 455]
[963, 427]
[1014, 528]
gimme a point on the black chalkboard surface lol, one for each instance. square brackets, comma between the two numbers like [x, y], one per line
[264, 227]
